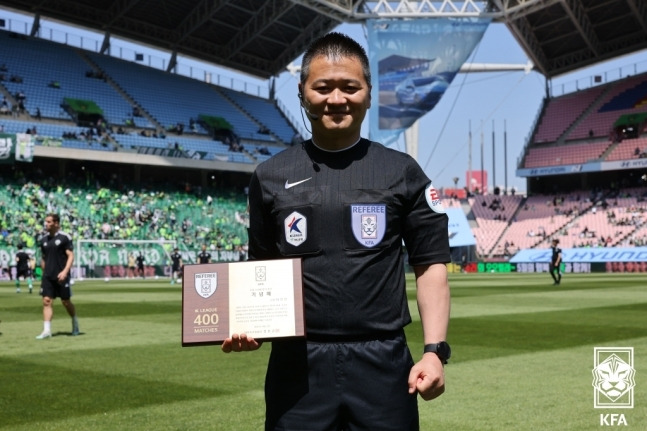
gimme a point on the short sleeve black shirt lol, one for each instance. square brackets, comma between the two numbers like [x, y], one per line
[347, 215]
[204, 257]
[54, 252]
[22, 261]
[176, 258]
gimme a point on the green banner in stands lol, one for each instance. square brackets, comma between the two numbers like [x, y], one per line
[215, 123]
[630, 119]
[86, 113]
[87, 107]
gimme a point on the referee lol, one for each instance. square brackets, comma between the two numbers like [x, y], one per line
[344, 205]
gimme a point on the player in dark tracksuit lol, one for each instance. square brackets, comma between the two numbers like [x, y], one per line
[204, 256]
[555, 262]
[23, 269]
[176, 265]
[344, 205]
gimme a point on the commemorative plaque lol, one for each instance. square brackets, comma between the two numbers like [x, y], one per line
[261, 298]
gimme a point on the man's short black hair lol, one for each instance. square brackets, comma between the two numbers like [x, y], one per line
[335, 46]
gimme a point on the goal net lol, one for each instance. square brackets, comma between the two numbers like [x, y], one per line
[99, 258]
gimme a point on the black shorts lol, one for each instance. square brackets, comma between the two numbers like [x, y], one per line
[323, 386]
[53, 289]
[23, 273]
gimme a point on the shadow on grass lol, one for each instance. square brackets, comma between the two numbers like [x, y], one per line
[510, 334]
[64, 392]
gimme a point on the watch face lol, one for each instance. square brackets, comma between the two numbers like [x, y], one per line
[444, 350]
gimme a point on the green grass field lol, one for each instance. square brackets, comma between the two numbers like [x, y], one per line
[523, 356]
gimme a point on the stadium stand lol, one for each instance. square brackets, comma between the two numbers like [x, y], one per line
[129, 96]
[105, 212]
[629, 149]
[52, 72]
[565, 154]
[624, 98]
[173, 100]
[561, 112]
[492, 215]
[577, 219]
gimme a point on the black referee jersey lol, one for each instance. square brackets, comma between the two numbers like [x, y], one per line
[53, 248]
[346, 213]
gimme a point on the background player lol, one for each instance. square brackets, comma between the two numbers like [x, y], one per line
[140, 265]
[57, 258]
[176, 265]
[23, 268]
[204, 256]
[555, 262]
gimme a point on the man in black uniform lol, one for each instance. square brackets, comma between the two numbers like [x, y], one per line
[204, 256]
[23, 268]
[555, 262]
[344, 205]
[176, 265]
[57, 258]
[140, 265]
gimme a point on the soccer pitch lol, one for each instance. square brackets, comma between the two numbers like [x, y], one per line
[523, 355]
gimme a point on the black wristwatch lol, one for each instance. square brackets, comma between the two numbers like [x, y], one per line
[441, 349]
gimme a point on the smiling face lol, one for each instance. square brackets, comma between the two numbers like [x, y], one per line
[336, 92]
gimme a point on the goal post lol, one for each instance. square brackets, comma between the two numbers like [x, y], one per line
[105, 258]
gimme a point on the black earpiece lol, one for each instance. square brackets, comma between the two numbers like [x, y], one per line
[310, 115]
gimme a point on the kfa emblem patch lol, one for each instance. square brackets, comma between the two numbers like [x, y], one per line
[206, 284]
[296, 229]
[368, 223]
[433, 199]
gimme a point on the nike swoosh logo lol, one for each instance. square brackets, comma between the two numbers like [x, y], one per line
[290, 185]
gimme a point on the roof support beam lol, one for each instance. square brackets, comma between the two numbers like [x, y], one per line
[35, 27]
[119, 9]
[639, 9]
[526, 38]
[514, 9]
[200, 14]
[265, 16]
[575, 11]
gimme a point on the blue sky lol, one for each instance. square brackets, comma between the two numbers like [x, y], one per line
[487, 101]
[484, 100]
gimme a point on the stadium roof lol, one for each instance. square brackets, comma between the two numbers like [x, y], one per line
[261, 37]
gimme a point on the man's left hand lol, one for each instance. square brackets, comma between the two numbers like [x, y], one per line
[427, 377]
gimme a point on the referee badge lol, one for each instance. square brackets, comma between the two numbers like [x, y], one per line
[368, 223]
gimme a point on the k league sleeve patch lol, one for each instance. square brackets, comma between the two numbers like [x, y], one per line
[433, 199]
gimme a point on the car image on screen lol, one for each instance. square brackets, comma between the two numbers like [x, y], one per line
[421, 90]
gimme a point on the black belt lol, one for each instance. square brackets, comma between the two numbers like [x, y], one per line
[355, 338]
